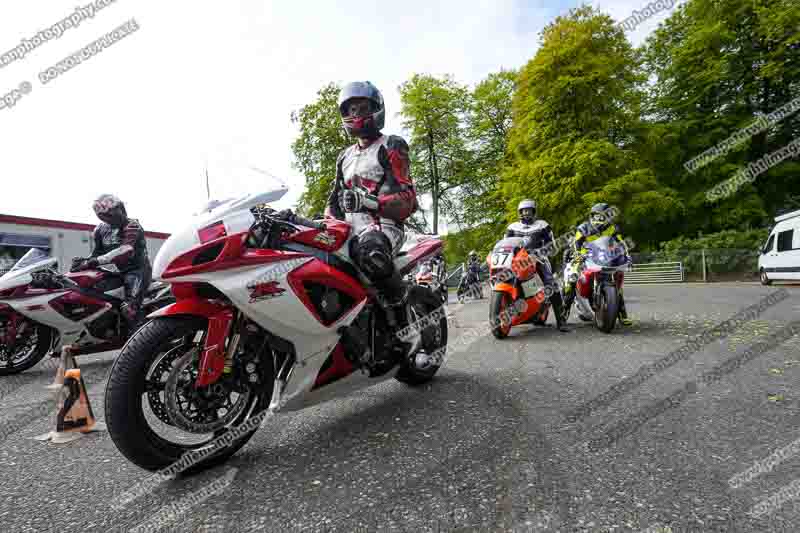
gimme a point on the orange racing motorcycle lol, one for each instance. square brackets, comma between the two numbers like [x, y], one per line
[518, 292]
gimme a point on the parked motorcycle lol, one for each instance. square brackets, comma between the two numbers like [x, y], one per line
[599, 280]
[518, 293]
[272, 315]
[41, 310]
[470, 284]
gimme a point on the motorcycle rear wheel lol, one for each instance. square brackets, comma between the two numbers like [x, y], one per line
[436, 347]
[128, 387]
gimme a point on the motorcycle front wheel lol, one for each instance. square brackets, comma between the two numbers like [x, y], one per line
[27, 350]
[153, 377]
[499, 314]
[607, 309]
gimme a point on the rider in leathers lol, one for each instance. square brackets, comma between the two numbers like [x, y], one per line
[373, 190]
[120, 240]
[601, 223]
[474, 271]
[539, 235]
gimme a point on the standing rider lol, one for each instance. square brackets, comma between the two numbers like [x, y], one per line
[474, 267]
[601, 223]
[120, 241]
[538, 235]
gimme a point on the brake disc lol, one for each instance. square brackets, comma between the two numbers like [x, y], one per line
[197, 410]
[162, 369]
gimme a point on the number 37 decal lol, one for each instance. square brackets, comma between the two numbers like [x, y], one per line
[501, 259]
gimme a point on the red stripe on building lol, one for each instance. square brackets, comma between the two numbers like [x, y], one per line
[60, 224]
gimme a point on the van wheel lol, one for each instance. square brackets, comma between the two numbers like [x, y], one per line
[764, 279]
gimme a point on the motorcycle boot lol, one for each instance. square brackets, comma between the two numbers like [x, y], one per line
[558, 309]
[623, 313]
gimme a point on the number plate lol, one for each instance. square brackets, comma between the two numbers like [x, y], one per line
[501, 260]
[531, 286]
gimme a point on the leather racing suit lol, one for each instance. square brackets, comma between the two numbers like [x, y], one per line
[126, 248]
[381, 170]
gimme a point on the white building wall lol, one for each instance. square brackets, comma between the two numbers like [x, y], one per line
[66, 243]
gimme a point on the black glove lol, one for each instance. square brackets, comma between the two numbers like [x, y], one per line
[76, 264]
[285, 214]
[351, 200]
[87, 264]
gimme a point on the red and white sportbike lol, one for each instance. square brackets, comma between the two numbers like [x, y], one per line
[271, 314]
[42, 310]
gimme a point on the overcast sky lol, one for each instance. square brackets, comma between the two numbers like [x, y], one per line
[202, 81]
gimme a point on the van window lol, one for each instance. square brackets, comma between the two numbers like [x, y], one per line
[770, 243]
[785, 240]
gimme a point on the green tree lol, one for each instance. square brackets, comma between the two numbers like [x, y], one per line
[576, 122]
[317, 146]
[717, 67]
[488, 122]
[433, 111]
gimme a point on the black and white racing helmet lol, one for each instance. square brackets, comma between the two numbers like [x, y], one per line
[362, 109]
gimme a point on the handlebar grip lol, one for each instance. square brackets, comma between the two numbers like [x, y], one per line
[297, 219]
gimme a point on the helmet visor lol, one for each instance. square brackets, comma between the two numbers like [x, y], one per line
[526, 212]
[598, 218]
[358, 107]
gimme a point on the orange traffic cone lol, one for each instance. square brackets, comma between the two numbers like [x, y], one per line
[66, 362]
[75, 417]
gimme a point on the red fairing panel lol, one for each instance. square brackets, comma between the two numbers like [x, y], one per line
[190, 306]
[584, 286]
[329, 240]
[87, 278]
[317, 271]
[76, 306]
[421, 252]
[233, 254]
[339, 368]
[212, 362]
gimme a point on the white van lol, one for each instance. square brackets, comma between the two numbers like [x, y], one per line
[780, 257]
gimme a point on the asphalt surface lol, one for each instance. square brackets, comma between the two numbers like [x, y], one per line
[486, 446]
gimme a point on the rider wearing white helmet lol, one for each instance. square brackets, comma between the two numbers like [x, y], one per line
[538, 236]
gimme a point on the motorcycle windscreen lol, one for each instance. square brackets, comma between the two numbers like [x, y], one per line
[607, 252]
[34, 259]
[231, 184]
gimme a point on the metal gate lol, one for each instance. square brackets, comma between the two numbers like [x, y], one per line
[671, 272]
